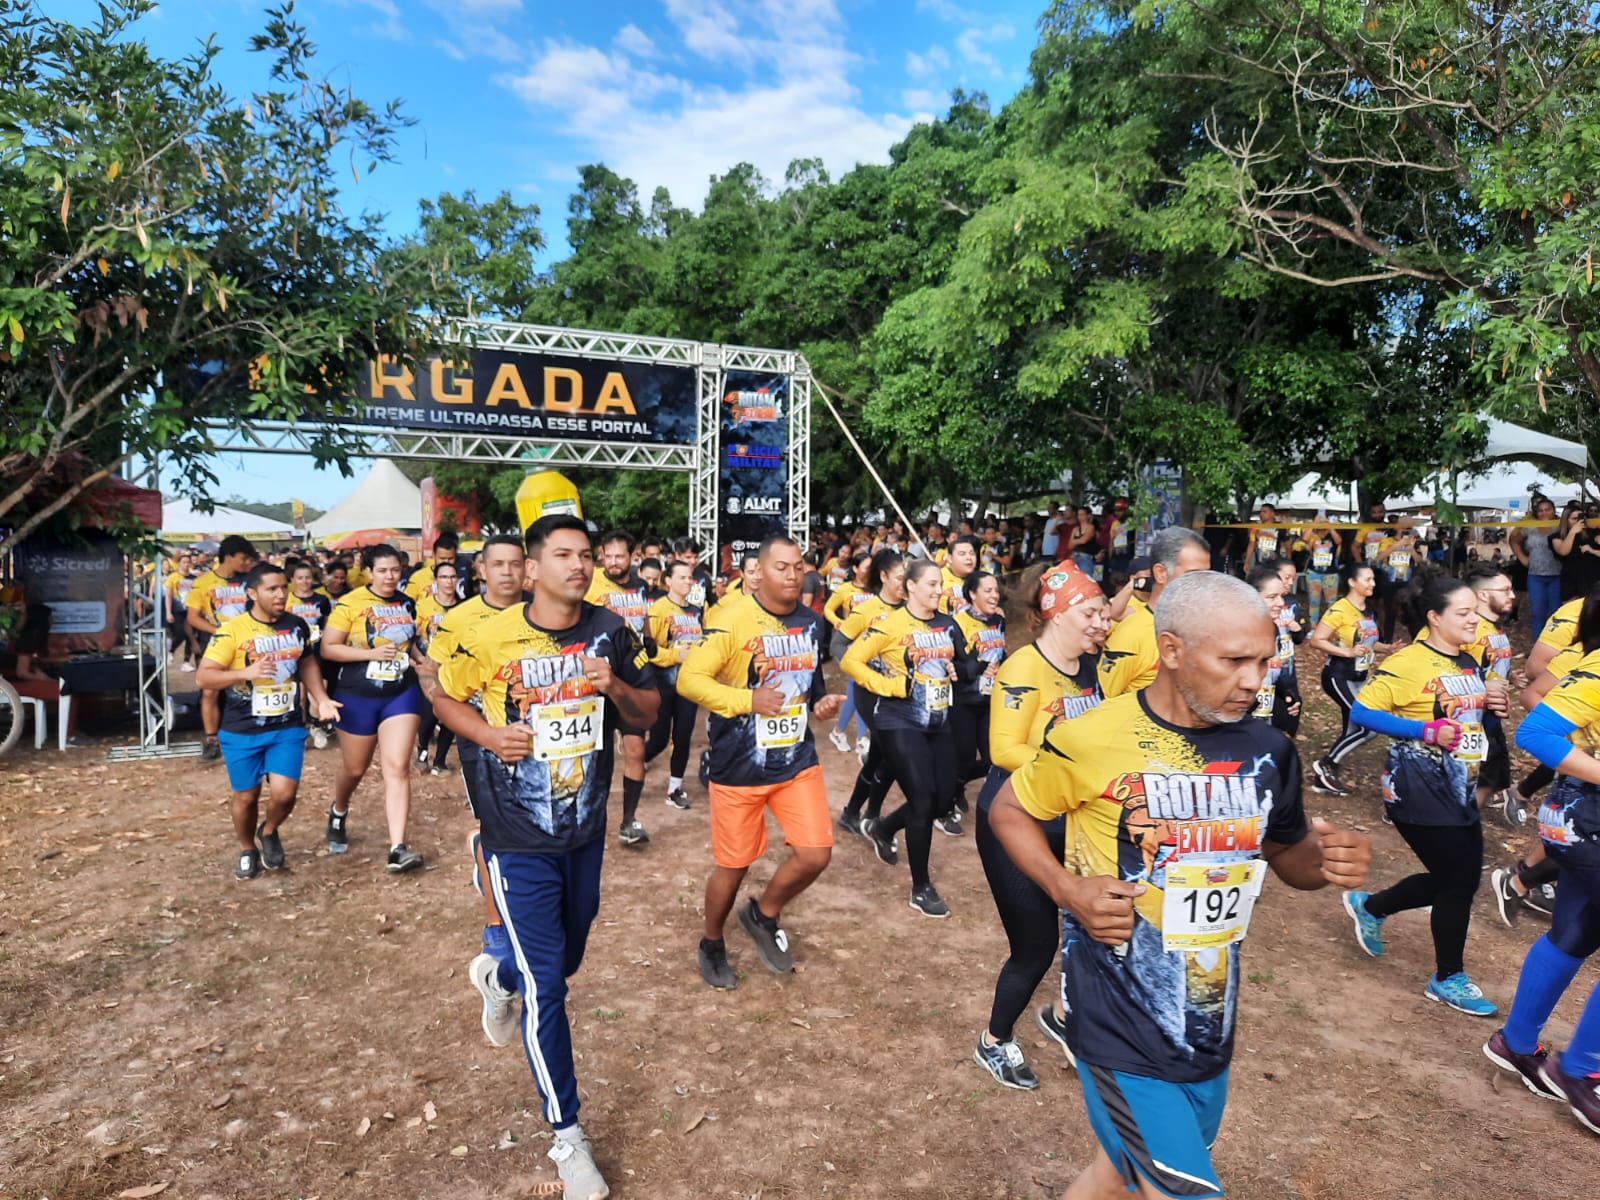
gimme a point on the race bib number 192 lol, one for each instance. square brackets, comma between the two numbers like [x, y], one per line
[1206, 906]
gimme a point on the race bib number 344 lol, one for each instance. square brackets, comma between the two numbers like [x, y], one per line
[1205, 906]
[568, 730]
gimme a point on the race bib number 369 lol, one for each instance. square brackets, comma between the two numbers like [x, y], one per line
[1206, 906]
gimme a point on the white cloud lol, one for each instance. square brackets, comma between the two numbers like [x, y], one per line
[635, 41]
[478, 7]
[922, 99]
[781, 90]
[946, 11]
[919, 66]
[971, 41]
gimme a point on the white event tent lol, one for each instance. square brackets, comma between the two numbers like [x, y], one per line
[384, 499]
[181, 519]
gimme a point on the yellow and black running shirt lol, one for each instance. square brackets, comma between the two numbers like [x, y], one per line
[1569, 818]
[1422, 784]
[447, 636]
[1185, 812]
[313, 610]
[1351, 626]
[1561, 630]
[746, 647]
[178, 586]
[1029, 693]
[431, 615]
[913, 666]
[628, 599]
[846, 598]
[952, 596]
[1324, 558]
[1131, 659]
[676, 630]
[268, 703]
[369, 621]
[555, 799]
[217, 599]
[865, 615]
[1492, 648]
[986, 640]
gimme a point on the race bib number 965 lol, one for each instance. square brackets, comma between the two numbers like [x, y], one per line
[781, 730]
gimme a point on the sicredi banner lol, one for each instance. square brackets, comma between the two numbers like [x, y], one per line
[752, 492]
[541, 395]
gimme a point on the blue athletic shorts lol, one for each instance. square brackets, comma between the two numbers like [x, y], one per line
[249, 756]
[361, 715]
[1162, 1131]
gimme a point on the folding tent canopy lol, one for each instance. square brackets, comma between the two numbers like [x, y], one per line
[384, 499]
[180, 519]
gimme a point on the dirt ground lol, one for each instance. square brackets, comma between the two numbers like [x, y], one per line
[313, 1032]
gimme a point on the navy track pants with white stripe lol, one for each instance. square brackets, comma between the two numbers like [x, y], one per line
[547, 903]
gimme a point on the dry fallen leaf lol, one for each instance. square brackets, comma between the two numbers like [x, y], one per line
[361, 1129]
[222, 1100]
[413, 1122]
[458, 1151]
[695, 1122]
[429, 1112]
[111, 1152]
[149, 1189]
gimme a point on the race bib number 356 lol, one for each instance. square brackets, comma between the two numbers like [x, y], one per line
[1205, 906]
[1474, 744]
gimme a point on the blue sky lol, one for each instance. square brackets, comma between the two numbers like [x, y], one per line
[515, 95]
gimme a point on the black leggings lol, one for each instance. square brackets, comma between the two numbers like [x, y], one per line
[875, 778]
[1343, 689]
[971, 726]
[425, 733]
[674, 722]
[923, 762]
[1032, 924]
[1452, 856]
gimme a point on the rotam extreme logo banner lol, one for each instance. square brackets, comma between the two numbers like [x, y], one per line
[752, 455]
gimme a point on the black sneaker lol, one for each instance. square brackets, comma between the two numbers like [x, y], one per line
[271, 849]
[248, 866]
[338, 842]
[1506, 898]
[1053, 1029]
[632, 833]
[1514, 808]
[1526, 1066]
[882, 846]
[949, 824]
[401, 859]
[771, 944]
[926, 901]
[1325, 779]
[714, 968]
[1004, 1061]
[678, 799]
[1581, 1092]
[210, 750]
[1541, 899]
[850, 822]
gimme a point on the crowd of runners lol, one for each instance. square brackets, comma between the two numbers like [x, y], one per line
[1127, 762]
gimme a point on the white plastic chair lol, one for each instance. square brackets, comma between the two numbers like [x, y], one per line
[63, 711]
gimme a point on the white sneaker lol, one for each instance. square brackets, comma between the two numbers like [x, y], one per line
[863, 744]
[187, 666]
[319, 738]
[575, 1164]
[840, 740]
[499, 1006]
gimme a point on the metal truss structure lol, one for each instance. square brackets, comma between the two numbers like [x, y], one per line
[147, 632]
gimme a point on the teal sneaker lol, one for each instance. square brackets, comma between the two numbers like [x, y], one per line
[1461, 994]
[1369, 929]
